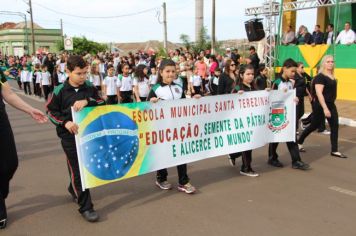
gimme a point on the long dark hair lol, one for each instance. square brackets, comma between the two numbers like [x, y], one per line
[140, 75]
[242, 71]
[164, 63]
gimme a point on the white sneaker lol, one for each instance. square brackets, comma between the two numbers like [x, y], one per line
[326, 132]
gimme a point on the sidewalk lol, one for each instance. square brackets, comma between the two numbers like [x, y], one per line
[346, 110]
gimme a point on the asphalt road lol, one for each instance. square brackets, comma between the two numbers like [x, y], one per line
[321, 201]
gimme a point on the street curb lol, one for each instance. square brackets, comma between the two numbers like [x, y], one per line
[342, 120]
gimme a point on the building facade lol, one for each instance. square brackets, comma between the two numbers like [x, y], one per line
[16, 39]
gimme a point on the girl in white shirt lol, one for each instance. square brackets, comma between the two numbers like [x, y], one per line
[124, 84]
[196, 83]
[141, 83]
[45, 82]
[153, 76]
[110, 87]
[26, 77]
[94, 77]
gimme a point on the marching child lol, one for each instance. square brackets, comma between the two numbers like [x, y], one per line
[26, 77]
[214, 81]
[45, 82]
[166, 89]
[245, 84]
[78, 93]
[37, 77]
[125, 83]
[109, 86]
[284, 83]
[196, 83]
[141, 83]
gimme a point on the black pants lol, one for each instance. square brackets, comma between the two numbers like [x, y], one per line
[319, 117]
[214, 89]
[83, 197]
[299, 111]
[27, 88]
[112, 99]
[8, 160]
[185, 82]
[38, 90]
[34, 86]
[292, 148]
[306, 121]
[143, 99]
[246, 160]
[19, 83]
[182, 175]
[46, 91]
[197, 90]
[126, 96]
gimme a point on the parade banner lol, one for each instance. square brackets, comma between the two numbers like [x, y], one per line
[116, 142]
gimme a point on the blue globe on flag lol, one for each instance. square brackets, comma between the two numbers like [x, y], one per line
[111, 147]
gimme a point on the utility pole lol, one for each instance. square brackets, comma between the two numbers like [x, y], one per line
[213, 29]
[32, 30]
[165, 26]
[62, 30]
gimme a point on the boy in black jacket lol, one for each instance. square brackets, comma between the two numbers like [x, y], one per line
[78, 93]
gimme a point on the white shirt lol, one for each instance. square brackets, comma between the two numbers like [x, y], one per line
[110, 84]
[62, 77]
[215, 80]
[62, 67]
[102, 68]
[143, 87]
[346, 37]
[38, 77]
[45, 78]
[153, 79]
[330, 37]
[94, 79]
[124, 83]
[26, 76]
[195, 80]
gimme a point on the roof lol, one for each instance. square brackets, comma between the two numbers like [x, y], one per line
[20, 25]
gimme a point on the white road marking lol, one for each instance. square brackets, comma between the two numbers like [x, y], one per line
[343, 191]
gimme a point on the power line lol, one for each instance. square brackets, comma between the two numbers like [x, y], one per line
[97, 17]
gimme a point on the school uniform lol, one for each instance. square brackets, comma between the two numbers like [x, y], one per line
[246, 168]
[95, 80]
[62, 77]
[59, 113]
[214, 84]
[110, 83]
[143, 88]
[261, 82]
[26, 77]
[169, 92]
[46, 83]
[125, 83]
[282, 84]
[37, 88]
[153, 79]
[196, 82]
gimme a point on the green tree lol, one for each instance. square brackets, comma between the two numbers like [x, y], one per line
[186, 41]
[82, 45]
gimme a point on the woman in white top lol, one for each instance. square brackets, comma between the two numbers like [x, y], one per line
[141, 83]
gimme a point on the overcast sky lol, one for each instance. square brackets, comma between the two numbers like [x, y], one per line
[180, 17]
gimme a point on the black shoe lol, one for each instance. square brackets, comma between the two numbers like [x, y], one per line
[275, 163]
[3, 223]
[300, 165]
[90, 215]
[72, 193]
[338, 154]
[232, 160]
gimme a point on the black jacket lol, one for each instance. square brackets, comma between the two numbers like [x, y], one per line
[226, 84]
[64, 97]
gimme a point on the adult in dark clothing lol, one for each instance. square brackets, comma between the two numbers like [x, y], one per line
[9, 160]
[303, 36]
[318, 36]
[227, 83]
[329, 35]
[324, 94]
[253, 58]
[235, 56]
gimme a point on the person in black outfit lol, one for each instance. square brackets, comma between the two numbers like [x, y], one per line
[9, 160]
[78, 93]
[227, 83]
[301, 85]
[317, 36]
[50, 63]
[324, 94]
[245, 84]
[253, 58]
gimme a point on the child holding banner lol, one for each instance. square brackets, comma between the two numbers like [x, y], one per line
[166, 89]
[284, 83]
[78, 93]
[245, 84]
